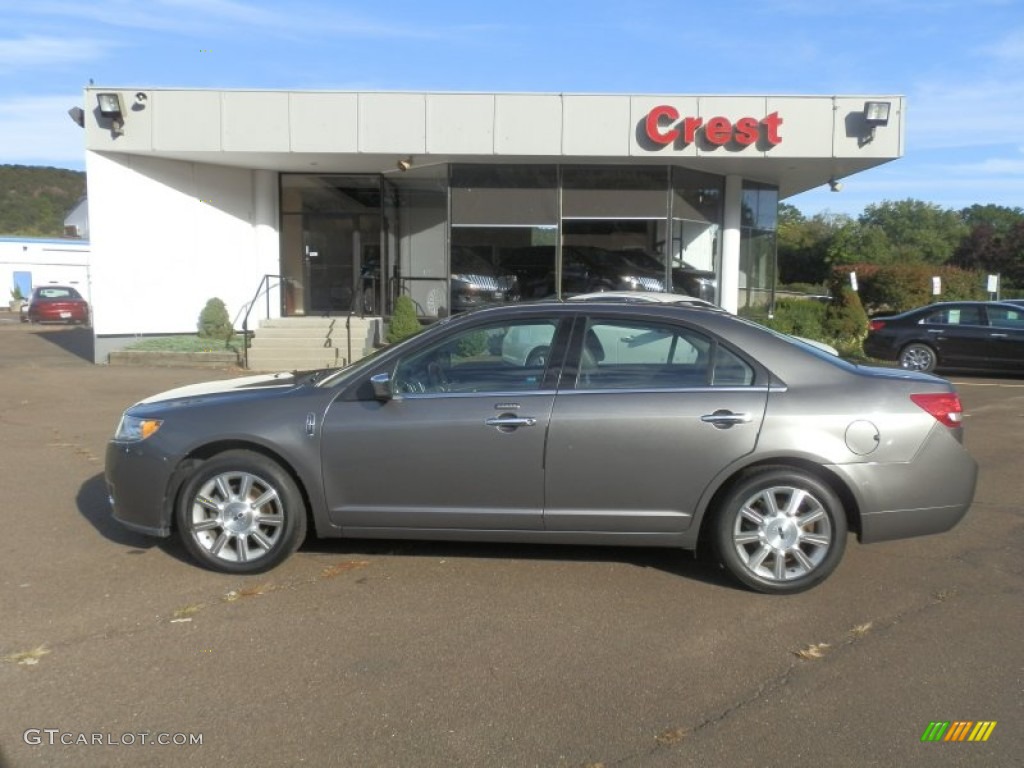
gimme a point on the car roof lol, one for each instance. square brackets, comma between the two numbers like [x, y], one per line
[646, 297]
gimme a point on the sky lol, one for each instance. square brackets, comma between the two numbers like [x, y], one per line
[959, 63]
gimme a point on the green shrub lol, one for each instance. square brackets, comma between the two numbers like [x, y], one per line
[214, 322]
[473, 345]
[845, 317]
[404, 322]
[897, 287]
[798, 317]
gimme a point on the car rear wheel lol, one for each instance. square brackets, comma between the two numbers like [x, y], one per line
[918, 357]
[780, 531]
[241, 512]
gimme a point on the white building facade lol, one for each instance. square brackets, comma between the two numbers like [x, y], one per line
[314, 203]
[29, 262]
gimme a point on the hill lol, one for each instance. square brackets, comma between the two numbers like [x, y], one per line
[34, 200]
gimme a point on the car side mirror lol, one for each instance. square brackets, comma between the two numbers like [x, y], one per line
[382, 389]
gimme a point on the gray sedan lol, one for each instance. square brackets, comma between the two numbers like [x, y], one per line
[640, 424]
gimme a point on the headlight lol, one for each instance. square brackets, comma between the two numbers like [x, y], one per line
[132, 429]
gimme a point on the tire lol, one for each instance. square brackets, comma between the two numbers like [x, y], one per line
[240, 512]
[538, 358]
[780, 531]
[918, 357]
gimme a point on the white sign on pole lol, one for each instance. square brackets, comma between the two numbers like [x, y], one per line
[993, 283]
[853, 280]
[936, 285]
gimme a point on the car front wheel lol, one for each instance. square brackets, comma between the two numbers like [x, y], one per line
[780, 531]
[918, 357]
[241, 512]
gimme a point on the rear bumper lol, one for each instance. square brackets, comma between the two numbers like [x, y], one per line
[931, 493]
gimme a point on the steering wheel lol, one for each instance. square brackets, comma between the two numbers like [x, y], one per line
[439, 381]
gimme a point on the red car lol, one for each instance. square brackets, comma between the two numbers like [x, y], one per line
[57, 304]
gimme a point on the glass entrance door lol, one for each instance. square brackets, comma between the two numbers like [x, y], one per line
[341, 263]
[330, 243]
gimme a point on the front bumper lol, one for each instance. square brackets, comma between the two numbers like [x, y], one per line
[139, 483]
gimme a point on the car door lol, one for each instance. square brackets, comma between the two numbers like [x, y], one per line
[1005, 342]
[959, 334]
[656, 411]
[460, 445]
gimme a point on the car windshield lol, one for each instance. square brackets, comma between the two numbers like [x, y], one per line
[342, 375]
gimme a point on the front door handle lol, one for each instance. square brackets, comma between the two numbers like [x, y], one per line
[998, 335]
[511, 421]
[724, 419]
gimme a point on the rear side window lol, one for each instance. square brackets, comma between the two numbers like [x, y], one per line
[647, 355]
[1003, 317]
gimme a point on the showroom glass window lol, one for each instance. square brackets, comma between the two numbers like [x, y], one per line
[504, 225]
[614, 222]
[695, 248]
[759, 219]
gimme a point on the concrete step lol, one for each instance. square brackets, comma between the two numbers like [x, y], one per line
[287, 342]
[311, 333]
[297, 343]
[313, 322]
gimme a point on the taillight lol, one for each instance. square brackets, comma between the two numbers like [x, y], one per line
[944, 406]
[876, 325]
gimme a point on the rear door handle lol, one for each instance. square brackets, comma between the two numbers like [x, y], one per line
[998, 335]
[724, 419]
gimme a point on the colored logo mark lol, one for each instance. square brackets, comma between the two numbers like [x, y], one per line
[959, 730]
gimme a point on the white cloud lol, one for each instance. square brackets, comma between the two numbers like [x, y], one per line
[37, 130]
[35, 52]
[946, 115]
[1008, 48]
[211, 18]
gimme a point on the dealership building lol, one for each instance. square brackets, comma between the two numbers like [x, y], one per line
[294, 205]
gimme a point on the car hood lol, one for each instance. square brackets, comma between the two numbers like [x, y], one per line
[227, 386]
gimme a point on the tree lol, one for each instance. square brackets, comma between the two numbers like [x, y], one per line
[803, 244]
[994, 243]
[998, 217]
[855, 242]
[917, 232]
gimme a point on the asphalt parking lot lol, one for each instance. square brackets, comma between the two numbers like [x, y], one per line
[409, 654]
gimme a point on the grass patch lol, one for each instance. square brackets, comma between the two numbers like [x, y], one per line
[185, 344]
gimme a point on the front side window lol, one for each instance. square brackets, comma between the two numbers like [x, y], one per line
[508, 357]
[642, 355]
[956, 316]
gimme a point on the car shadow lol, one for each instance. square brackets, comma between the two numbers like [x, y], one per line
[77, 340]
[702, 567]
[94, 506]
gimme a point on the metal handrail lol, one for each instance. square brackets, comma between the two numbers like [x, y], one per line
[245, 320]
